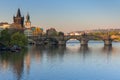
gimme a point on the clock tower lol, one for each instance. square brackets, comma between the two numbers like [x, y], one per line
[28, 22]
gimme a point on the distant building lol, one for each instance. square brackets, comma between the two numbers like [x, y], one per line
[77, 34]
[72, 34]
[18, 20]
[51, 32]
[4, 25]
[33, 28]
[37, 31]
[28, 32]
[33, 31]
[28, 22]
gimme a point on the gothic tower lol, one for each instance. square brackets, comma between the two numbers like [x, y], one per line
[28, 22]
[18, 20]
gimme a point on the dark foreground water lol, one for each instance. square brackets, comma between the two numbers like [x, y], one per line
[72, 62]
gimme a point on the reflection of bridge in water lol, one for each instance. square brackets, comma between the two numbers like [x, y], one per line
[61, 40]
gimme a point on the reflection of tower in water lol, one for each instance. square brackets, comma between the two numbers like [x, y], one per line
[18, 68]
[14, 61]
[5, 64]
[27, 60]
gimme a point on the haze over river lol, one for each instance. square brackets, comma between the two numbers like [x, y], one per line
[73, 62]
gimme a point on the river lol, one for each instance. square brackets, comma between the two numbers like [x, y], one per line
[73, 62]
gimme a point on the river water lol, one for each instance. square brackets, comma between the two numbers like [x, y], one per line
[73, 62]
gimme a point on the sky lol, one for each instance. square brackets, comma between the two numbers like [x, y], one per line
[65, 15]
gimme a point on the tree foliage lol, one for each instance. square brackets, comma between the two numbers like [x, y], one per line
[19, 39]
[5, 37]
[13, 38]
[60, 34]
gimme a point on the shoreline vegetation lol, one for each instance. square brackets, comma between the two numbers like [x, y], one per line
[12, 40]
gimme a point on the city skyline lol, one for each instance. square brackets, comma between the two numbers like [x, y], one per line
[65, 15]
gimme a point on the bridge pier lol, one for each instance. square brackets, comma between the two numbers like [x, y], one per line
[84, 42]
[62, 43]
[108, 42]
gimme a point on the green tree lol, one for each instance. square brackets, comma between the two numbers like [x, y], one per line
[60, 34]
[19, 39]
[5, 37]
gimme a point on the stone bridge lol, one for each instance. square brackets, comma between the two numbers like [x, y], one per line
[61, 40]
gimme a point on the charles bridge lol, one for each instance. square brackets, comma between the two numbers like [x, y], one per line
[61, 40]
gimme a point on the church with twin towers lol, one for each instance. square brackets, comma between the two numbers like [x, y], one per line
[18, 21]
[24, 25]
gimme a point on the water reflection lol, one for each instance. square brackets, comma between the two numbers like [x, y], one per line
[54, 53]
[14, 61]
[107, 50]
[36, 52]
[84, 49]
[42, 61]
[28, 62]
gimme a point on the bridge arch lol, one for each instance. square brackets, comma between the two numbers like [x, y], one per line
[72, 40]
[72, 37]
[106, 39]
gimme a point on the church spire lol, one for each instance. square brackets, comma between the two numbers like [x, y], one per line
[18, 13]
[28, 17]
[18, 20]
[28, 22]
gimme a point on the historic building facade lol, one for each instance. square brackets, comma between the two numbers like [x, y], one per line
[18, 20]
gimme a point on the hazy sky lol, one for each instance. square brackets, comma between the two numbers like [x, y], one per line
[65, 15]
